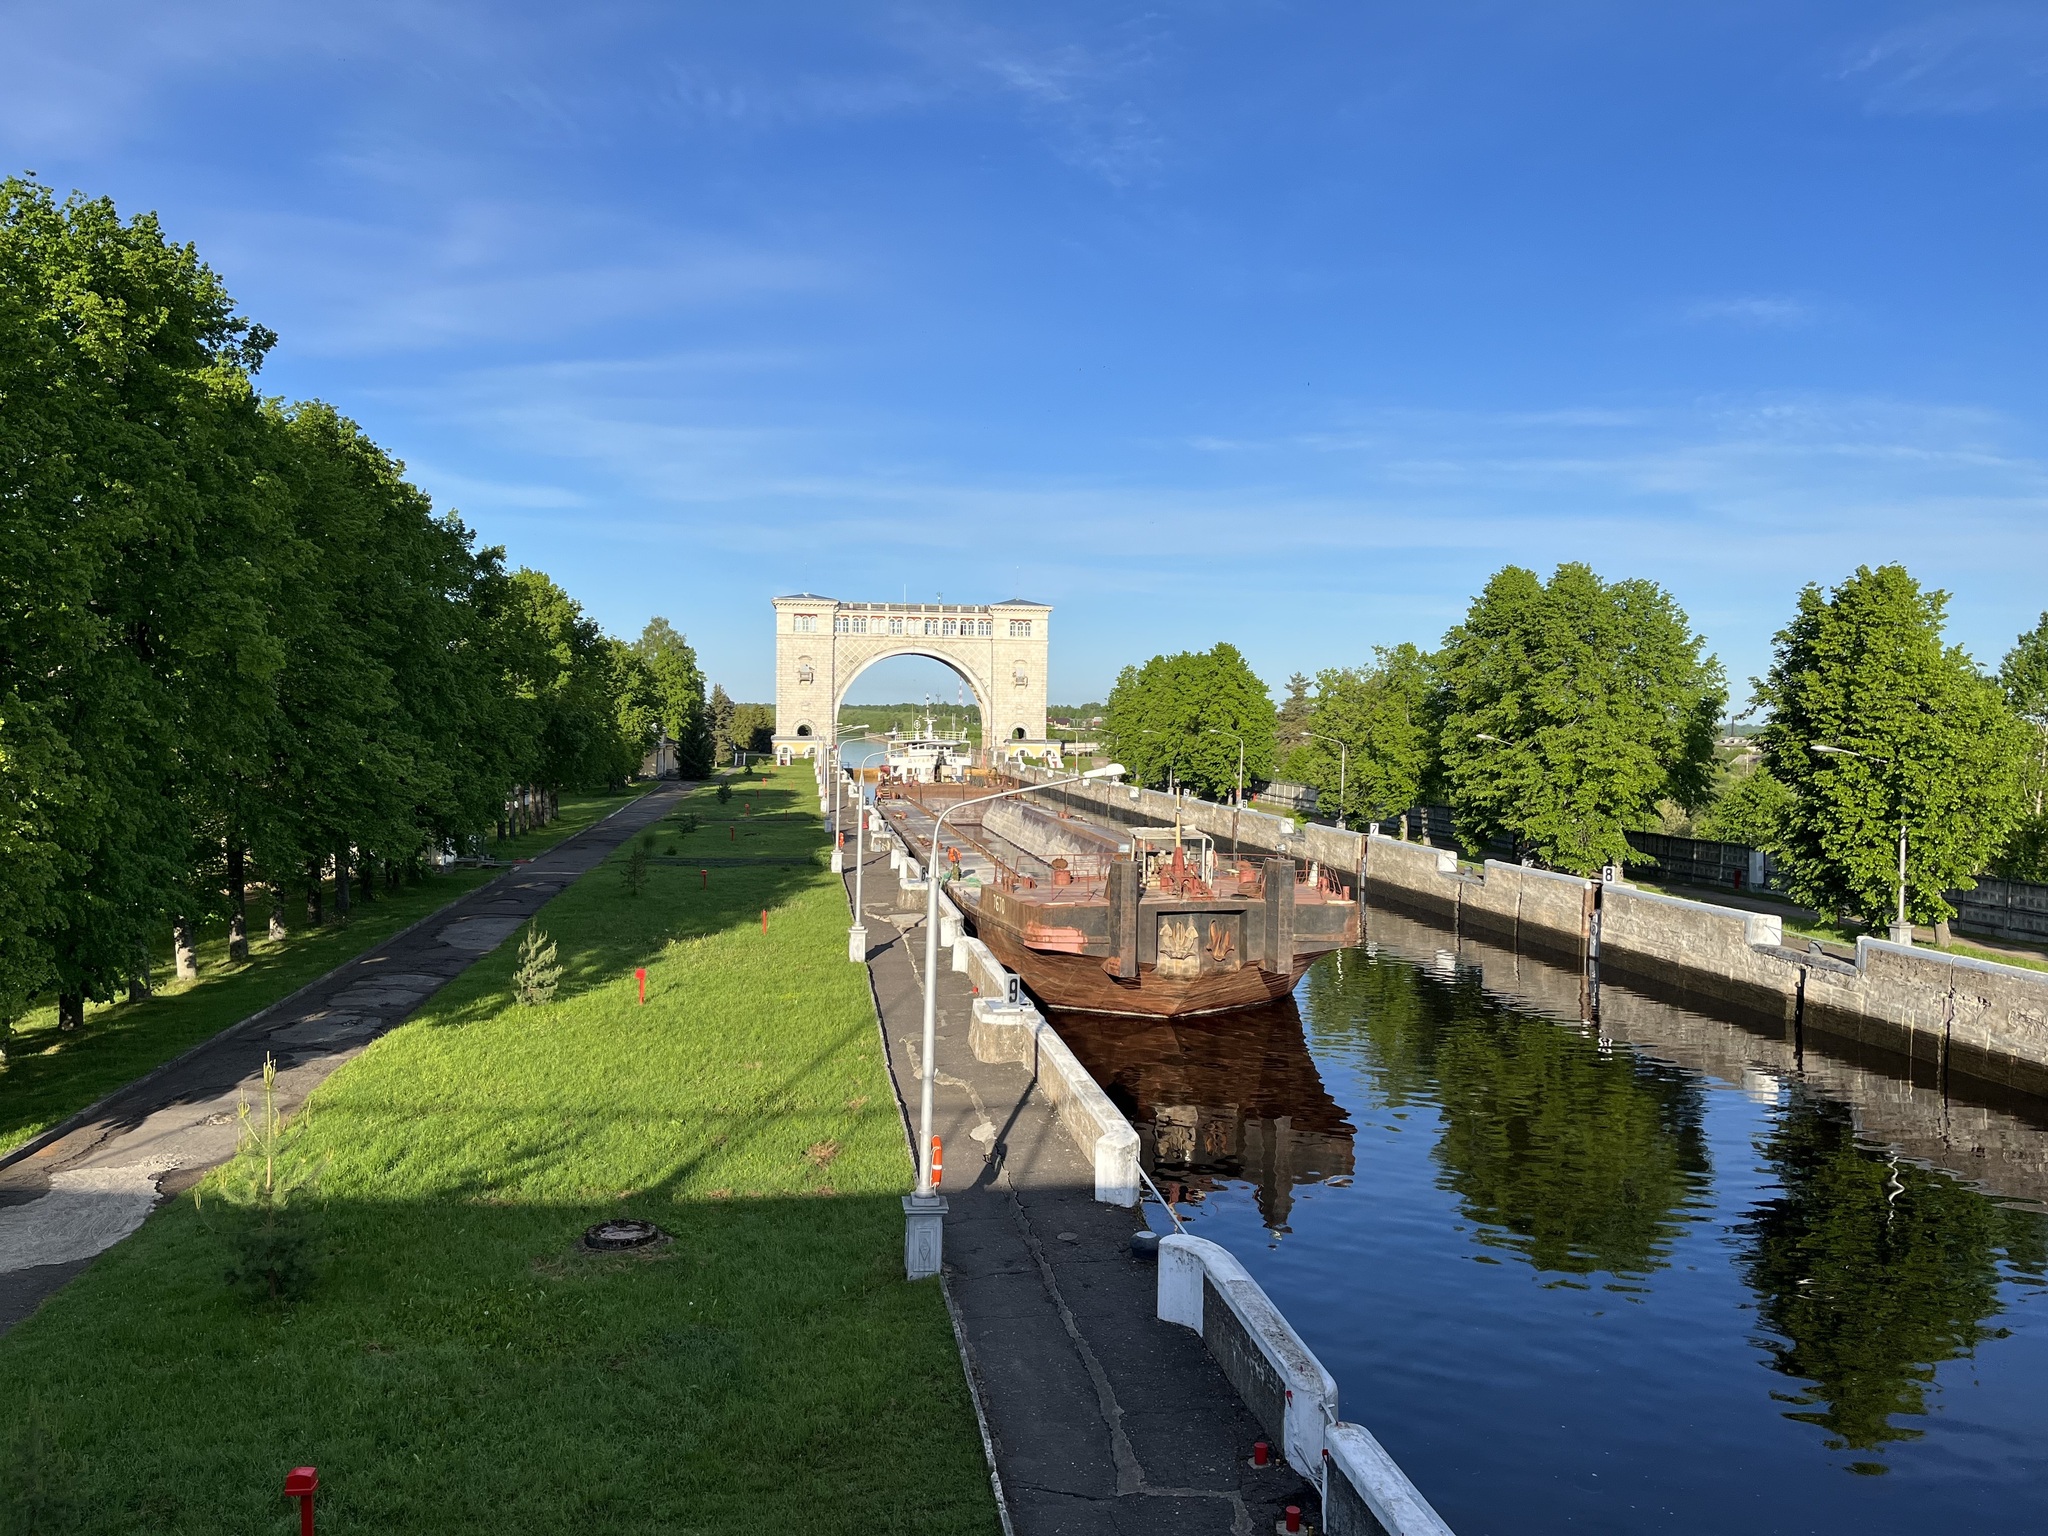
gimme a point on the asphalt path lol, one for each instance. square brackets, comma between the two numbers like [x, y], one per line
[70, 1195]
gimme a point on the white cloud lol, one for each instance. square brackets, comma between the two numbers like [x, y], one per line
[1979, 59]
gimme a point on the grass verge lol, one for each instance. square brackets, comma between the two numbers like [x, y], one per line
[457, 1362]
[50, 1074]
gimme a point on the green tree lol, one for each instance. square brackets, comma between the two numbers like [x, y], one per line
[124, 400]
[1180, 718]
[1863, 669]
[2024, 676]
[1291, 722]
[1381, 715]
[1749, 810]
[675, 695]
[719, 713]
[1569, 709]
[753, 727]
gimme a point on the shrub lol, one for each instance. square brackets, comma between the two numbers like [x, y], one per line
[635, 871]
[725, 793]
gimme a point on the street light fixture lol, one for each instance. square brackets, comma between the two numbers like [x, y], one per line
[926, 1202]
[1902, 931]
[857, 935]
[1343, 760]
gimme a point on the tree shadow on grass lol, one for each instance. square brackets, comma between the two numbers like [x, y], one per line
[460, 1364]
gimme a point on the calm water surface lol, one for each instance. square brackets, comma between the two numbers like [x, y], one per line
[1658, 1273]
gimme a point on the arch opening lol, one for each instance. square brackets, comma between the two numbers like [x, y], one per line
[911, 680]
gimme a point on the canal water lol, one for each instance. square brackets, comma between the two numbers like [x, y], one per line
[1651, 1272]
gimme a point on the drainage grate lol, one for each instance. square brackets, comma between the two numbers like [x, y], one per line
[619, 1236]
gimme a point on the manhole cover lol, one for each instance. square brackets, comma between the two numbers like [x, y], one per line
[618, 1236]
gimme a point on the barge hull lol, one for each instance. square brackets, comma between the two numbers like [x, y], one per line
[1080, 984]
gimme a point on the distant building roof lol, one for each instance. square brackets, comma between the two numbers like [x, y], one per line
[806, 597]
[1019, 602]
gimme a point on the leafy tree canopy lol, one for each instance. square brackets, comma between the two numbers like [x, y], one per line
[1570, 708]
[1182, 717]
[1381, 716]
[2024, 676]
[1927, 741]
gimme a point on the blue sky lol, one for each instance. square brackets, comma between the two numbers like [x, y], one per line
[1281, 324]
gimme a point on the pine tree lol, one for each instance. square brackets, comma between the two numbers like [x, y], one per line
[535, 977]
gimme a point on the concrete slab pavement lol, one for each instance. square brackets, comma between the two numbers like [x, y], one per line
[74, 1193]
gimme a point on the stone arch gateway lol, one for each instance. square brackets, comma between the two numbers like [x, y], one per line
[821, 645]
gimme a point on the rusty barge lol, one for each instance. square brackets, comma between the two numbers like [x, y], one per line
[1153, 922]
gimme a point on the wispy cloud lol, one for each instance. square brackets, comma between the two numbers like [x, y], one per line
[1759, 311]
[1981, 59]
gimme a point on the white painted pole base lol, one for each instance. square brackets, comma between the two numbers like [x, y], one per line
[1902, 933]
[923, 1235]
[857, 944]
[838, 861]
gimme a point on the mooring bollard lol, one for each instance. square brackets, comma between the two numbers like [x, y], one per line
[640, 975]
[302, 1483]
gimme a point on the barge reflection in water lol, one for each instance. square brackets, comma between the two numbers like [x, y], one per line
[1666, 1272]
[1227, 1096]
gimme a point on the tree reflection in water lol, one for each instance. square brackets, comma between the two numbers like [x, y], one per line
[1871, 1271]
[1577, 1157]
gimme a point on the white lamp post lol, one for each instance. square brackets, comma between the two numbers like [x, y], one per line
[857, 935]
[922, 1238]
[1902, 931]
[1344, 765]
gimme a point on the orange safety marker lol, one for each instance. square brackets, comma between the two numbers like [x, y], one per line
[764, 919]
[733, 828]
[938, 1161]
[640, 976]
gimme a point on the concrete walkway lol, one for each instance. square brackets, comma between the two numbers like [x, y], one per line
[70, 1198]
[1103, 1419]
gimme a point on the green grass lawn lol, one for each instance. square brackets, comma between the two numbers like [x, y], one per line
[50, 1074]
[457, 1363]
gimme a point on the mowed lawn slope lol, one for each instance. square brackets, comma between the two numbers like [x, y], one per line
[459, 1364]
[50, 1074]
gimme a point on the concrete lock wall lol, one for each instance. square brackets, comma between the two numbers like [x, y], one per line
[1202, 1286]
[1002, 1032]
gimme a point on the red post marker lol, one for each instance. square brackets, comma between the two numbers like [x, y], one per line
[1294, 1517]
[733, 828]
[302, 1483]
[1262, 1454]
[764, 919]
[640, 975]
[938, 1161]
[705, 874]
